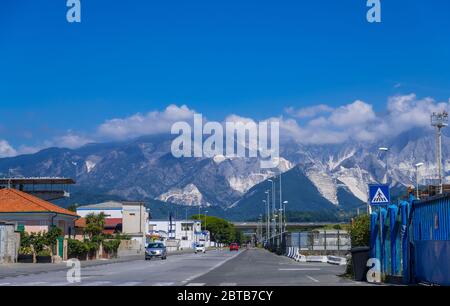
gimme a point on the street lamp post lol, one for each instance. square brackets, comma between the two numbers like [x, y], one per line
[281, 208]
[274, 225]
[285, 215]
[268, 215]
[418, 165]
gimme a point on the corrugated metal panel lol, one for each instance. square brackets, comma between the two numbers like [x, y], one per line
[431, 239]
[431, 219]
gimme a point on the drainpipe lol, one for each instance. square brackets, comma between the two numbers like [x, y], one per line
[53, 218]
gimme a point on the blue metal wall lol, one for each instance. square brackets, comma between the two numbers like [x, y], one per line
[430, 227]
[412, 240]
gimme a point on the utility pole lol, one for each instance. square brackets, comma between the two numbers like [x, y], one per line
[439, 121]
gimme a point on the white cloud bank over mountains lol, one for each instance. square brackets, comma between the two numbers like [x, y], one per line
[358, 121]
[319, 124]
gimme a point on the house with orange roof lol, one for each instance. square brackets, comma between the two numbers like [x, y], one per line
[32, 214]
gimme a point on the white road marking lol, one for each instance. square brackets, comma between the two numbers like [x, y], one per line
[195, 284]
[5, 284]
[61, 284]
[312, 278]
[300, 269]
[166, 284]
[228, 284]
[32, 284]
[129, 284]
[99, 283]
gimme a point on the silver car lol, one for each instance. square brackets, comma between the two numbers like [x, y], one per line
[155, 249]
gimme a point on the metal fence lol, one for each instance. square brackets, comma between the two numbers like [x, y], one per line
[323, 240]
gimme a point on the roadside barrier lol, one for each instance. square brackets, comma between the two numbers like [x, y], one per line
[335, 260]
[294, 253]
[316, 259]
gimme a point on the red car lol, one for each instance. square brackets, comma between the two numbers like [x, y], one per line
[234, 247]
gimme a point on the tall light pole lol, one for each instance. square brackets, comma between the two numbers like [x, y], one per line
[285, 215]
[268, 215]
[418, 165]
[439, 121]
[274, 225]
[281, 208]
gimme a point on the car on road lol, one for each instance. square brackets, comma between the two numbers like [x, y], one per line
[234, 247]
[200, 248]
[155, 249]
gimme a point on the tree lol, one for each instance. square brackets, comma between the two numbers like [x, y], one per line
[73, 207]
[95, 223]
[221, 230]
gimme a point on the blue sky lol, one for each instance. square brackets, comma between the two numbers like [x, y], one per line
[251, 58]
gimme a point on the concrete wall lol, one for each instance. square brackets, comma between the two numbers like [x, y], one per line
[9, 243]
[134, 218]
[130, 247]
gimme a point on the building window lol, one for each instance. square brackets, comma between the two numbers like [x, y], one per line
[186, 226]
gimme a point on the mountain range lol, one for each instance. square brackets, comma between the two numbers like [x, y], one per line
[316, 178]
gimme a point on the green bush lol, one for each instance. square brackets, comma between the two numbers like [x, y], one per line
[111, 246]
[44, 252]
[77, 248]
[360, 231]
[25, 250]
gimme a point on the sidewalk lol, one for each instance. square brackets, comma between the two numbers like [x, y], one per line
[18, 269]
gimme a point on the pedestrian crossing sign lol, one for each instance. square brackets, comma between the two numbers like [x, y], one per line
[379, 195]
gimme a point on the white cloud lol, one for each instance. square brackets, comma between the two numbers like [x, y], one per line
[353, 114]
[6, 150]
[320, 124]
[358, 121]
[71, 141]
[310, 111]
[151, 123]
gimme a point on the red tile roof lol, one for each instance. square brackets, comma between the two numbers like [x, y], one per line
[15, 201]
[80, 222]
[112, 222]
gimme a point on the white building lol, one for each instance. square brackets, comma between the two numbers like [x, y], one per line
[134, 215]
[111, 209]
[182, 233]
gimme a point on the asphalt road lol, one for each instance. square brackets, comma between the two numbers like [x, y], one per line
[177, 270]
[252, 267]
[258, 267]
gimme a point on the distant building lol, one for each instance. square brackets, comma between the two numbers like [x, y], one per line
[112, 209]
[32, 214]
[186, 233]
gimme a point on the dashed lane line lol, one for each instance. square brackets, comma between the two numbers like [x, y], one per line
[313, 279]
